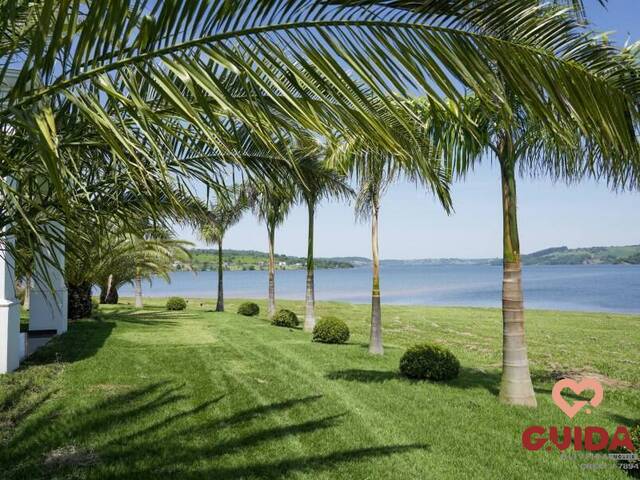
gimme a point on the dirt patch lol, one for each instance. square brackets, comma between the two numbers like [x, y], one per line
[578, 375]
[70, 456]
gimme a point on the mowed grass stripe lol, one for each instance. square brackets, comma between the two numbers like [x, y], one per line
[293, 374]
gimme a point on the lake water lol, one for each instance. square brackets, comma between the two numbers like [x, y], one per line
[612, 288]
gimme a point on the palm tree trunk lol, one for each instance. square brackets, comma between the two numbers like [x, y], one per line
[272, 271]
[27, 292]
[109, 296]
[310, 300]
[79, 301]
[109, 293]
[220, 302]
[375, 339]
[137, 288]
[516, 387]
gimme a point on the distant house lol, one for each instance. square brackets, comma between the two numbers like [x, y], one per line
[282, 264]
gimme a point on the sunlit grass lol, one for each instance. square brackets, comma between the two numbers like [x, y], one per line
[197, 394]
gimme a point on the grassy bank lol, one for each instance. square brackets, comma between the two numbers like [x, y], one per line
[157, 394]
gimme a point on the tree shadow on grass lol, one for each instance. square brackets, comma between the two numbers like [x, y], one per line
[624, 420]
[363, 376]
[83, 340]
[283, 468]
[151, 315]
[490, 380]
[148, 321]
[365, 346]
[468, 378]
[473, 378]
[156, 431]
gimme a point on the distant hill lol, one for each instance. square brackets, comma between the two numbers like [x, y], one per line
[549, 256]
[355, 261]
[584, 256]
[205, 259]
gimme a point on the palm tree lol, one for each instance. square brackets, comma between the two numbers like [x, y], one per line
[375, 170]
[315, 181]
[200, 69]
[271, 204]
[111, 255]
[525, 146]
[133, 259]
[222, 216]
[155, 254]
[375, 173]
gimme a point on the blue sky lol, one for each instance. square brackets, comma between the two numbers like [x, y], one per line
[414, 226]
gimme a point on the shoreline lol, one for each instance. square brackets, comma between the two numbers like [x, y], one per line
[155, 300]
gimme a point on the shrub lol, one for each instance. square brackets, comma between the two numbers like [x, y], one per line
[285, 318]
[249, 309]
[176, 303]
[96, 314]
[331, 330]
[430, 362]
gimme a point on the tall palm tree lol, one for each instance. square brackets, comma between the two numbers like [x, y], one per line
[375, 170]
[271, 204]
[221, 217]
[375, 173]
[526, 147]
[524, 144]
[316, 181]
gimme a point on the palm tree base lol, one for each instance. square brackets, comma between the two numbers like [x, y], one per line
[518, 394]
[79, 301]
[110, 298]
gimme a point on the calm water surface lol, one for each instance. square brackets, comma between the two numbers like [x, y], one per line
[614, 288]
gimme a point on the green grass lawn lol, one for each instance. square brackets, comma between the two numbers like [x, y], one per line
[196, 394]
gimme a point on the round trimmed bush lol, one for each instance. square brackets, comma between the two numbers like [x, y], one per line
[429, 362]
[331, 330]
[249, 309]
[285, 318]
[176, 303]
